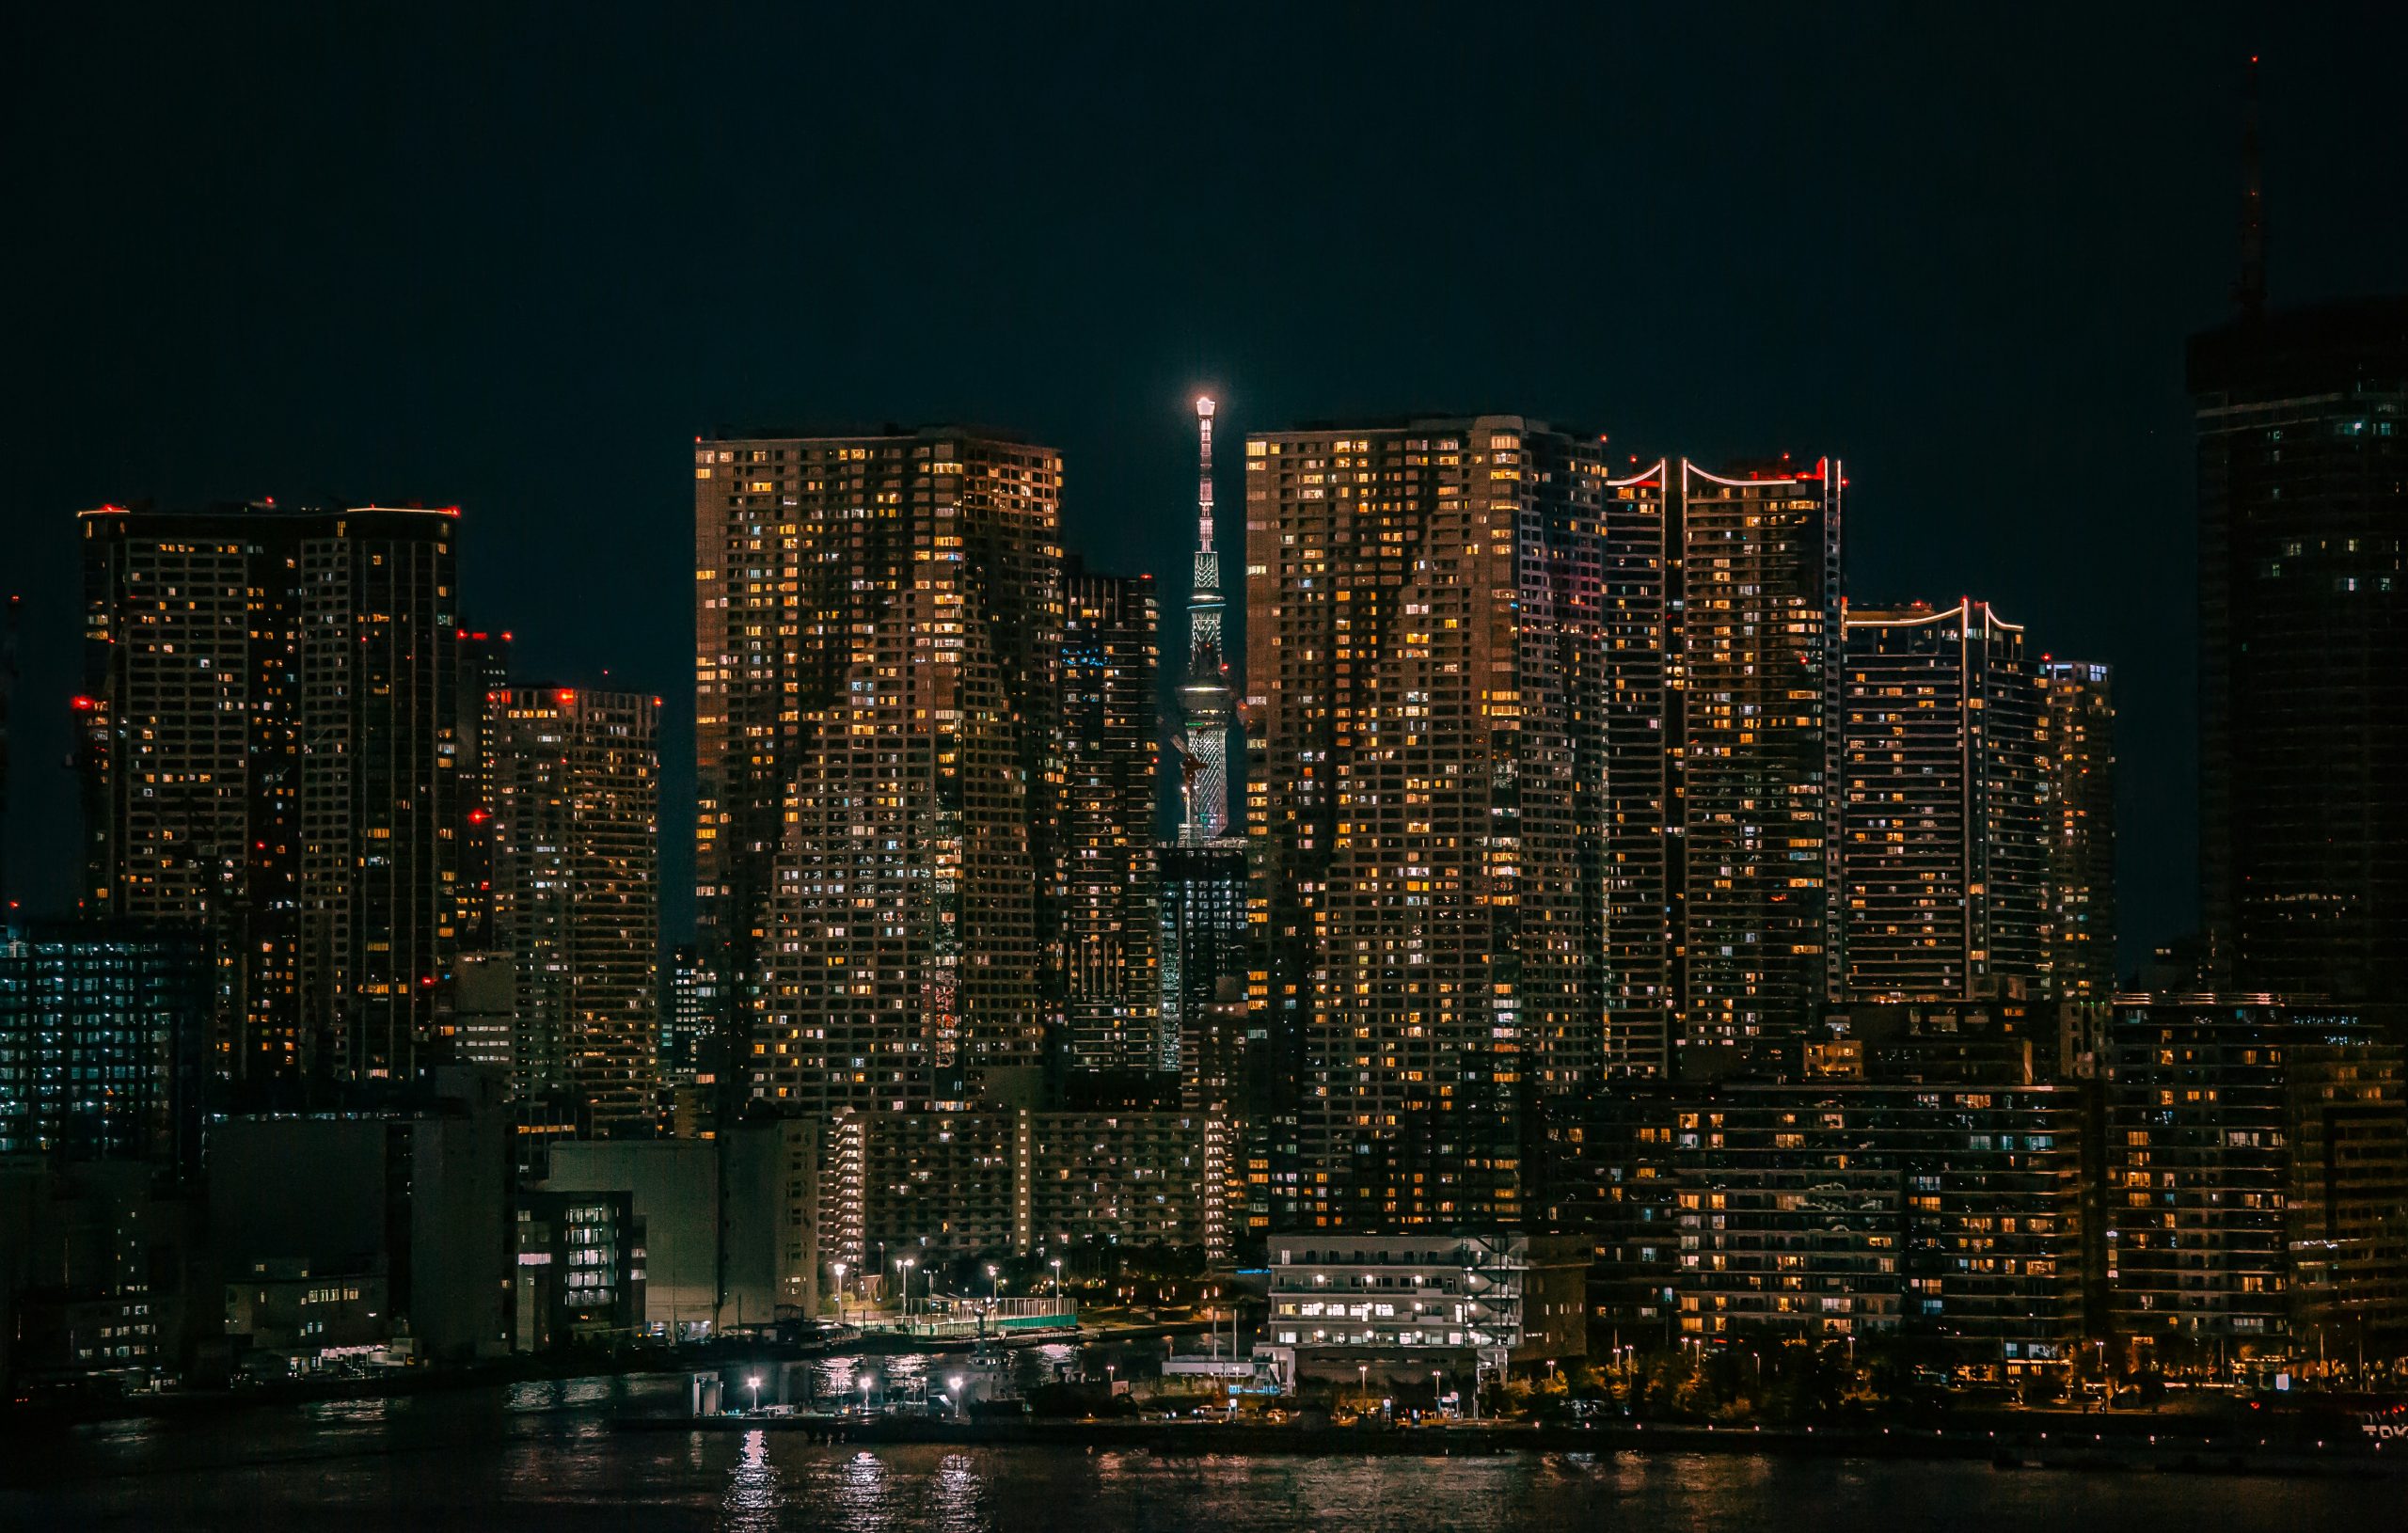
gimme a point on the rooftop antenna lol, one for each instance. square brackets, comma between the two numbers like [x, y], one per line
[2249, 291]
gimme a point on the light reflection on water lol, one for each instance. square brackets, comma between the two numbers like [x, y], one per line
[529, 1459]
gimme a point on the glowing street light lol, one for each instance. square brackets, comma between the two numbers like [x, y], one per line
[755, 1382]
[866, 1381]
[840, 1293]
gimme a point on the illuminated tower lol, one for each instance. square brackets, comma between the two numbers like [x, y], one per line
[574, 781]
[1205, 697]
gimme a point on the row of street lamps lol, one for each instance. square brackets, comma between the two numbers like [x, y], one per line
[906, 1264]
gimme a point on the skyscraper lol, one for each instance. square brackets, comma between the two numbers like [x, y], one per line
[1204, 696]
[2078, 765]
[1421, 641]
[877, 619]
[574, 780]
[270, 749]
[1638, 655]
[484, 670]
[1942, 862]
[1107, 889]
[1755, 665]
[1203, 946]
[2302, 464]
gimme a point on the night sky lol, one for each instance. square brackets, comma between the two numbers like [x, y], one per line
[517, 258]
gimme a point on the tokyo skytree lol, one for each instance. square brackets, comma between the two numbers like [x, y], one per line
[1204, 698]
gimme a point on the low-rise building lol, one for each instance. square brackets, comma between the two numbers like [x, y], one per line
[581, 1271]
[1394, 1310]
[731, 1224]
[284, 1317]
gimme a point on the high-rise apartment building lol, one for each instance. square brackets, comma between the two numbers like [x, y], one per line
[573, 777]
[2302, 471]
[1754, 736]
[1637, 699]
[1421, 651]
[2078, 767]
[877, 619]
[484, 670]
[1942, 863]
[1106, 888]
[271, 749]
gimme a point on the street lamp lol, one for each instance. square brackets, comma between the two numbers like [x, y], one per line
[994, 1288]
[957, 1401]
[866, 1381]
[1437, 1390]
[1057, 1280]
[907, 1263]
[755, 1382]
[840, 1293]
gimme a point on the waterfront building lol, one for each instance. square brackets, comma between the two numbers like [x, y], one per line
[2257, 1167]
[2302, 478]
[1388, 1312]
[878, 621]
[1422, 658]
[730, 1227]
[1942, 861]
[270, 750]
[581, 1270]
[1106, 895]
[415, 1205]
[102, 1275]
[946, 1186]
[284, 1317]
[573, 777]
[2078, 767]
[1834, 1208]
[104, 1033]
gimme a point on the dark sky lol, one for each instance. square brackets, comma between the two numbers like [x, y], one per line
[517, 258]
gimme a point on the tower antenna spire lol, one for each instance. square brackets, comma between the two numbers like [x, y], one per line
[1205, 703]
[2249, 290]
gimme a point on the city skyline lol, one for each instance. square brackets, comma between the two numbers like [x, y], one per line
[1843, 355]
[744, 747]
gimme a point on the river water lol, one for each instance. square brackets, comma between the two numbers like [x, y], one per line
[536, 1457]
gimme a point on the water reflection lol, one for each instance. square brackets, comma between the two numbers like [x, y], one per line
[751, 1501]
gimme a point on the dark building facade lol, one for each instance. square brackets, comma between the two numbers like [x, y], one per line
[1106, 888]
[2078, 767]
[104, 1031]
[2303, 480]
[270, 749]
